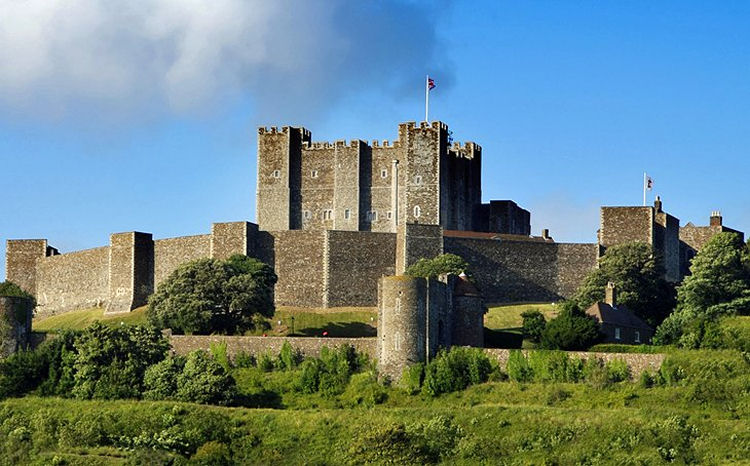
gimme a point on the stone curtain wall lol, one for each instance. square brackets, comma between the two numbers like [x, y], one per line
[15, 324]
[636, 362]
[20, 257]
[171, 253]
[299, 263]
[77, 280]
[183, 344]
[514, 271]
[355, 262]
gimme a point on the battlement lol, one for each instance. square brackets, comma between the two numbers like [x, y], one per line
[305, 133]
[411, 125]
[467, 149]
[354, 143]
[385, 143]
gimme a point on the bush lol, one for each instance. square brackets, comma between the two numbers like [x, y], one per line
[364, 390]
[289, 358]
[533, 325]
[455, 370]
[211, 296]
[212, 454]
[22, 372]
[572, 329]
[412, 378]
[8, 288]
[203, 380]
[160, 380]
[518, 367]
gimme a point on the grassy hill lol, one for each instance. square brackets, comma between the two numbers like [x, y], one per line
[78, 320]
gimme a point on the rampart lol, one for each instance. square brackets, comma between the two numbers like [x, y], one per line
[77, 280]
[513, 271]
[636, 362]
[15, 324]
[309, 346]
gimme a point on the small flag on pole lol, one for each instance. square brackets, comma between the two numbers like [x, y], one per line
[649, 182]
[430, 83]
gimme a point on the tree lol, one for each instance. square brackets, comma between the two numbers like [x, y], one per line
[533, 325]
[638, 274]
[8, 288]
[572, 329]
[438, 265]
[208, 295]
[718, 285]
[203, 380]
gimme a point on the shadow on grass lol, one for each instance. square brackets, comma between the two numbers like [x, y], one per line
[340, 330]
[262, 399]
[508, 338]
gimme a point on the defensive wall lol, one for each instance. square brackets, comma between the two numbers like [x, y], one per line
[15, 324]
[310, 346]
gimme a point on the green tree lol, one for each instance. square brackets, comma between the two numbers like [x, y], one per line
[718, 285]
[207, 296]
[8, 288]
[203, 380]
[438, 265]
[572, 329]
[533, 325]
[638, 274]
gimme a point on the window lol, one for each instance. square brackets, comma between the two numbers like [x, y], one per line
[277, 173]
[327, 214]
[306, 214]
[347, 214]
[417, 211]
[372, 216]
[389, 215]
[417, 179]
[637, 336]
[617, 333]
[384, 173]
[314, 174]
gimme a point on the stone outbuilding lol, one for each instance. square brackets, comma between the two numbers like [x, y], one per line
[617, 324]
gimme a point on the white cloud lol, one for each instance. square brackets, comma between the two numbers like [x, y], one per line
[187, 55]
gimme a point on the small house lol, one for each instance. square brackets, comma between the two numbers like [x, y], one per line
[617, 324]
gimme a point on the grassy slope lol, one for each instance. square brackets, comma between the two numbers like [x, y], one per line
[77, 320]
[509, 316]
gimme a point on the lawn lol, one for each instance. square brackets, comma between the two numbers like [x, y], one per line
[338, 322]
[509, 316]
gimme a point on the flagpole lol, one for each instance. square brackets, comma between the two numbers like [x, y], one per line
[426, 97]
[644, 189]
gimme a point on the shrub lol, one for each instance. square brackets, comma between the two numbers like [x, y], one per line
[572, 329]
[412, 378]
[22, 372]
[244, 360]
[8, 288]
[289, 358]
[438, 265]
[518, 367]
[533, 325]
[160, 380]
[617, 370]
[220, 354]
[364, 390]
[203, 380]
[455, 370]
[212, 454]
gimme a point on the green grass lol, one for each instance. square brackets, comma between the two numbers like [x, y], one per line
[509, 316]
[338, 322]
[78, 320]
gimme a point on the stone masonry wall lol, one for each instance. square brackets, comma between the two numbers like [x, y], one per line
[513, 271]
[636, 362]
[77, 280]
[20, 257]
[299, 264]
[625, 224]
[15, 324]
[355, 262]
[172, 252]
[184, 344]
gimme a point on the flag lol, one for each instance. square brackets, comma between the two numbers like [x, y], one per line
[430, 83]
[649, 183]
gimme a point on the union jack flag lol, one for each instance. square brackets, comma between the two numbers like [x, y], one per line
[430, 83]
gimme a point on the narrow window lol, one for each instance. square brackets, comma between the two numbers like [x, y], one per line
[314, 174]
[384, 173]
[347, 214]
[306, 214]
[277, 173]
[637, 336]
[417, 180]
[389, 215]
[327, 214]
[417, 211]
[372, 216]
[617, 333]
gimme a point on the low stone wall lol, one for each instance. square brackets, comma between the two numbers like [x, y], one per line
[309, 346]
[636, 361]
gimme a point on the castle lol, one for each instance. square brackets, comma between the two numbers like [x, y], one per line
[333, 219]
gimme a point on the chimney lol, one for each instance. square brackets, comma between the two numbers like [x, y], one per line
[657, 203]
[715, 220]
[610, 295]
[545, 234]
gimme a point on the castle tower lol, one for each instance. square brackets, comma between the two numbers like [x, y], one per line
[402, 314]
[279, 177]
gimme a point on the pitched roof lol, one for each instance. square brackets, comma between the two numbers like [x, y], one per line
[464, 287]
[605, 313]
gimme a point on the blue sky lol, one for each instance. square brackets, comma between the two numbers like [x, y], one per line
[118, 117]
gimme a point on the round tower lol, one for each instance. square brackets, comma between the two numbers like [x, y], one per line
[401, 324]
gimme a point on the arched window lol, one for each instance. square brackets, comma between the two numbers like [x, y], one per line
[417, 180]
[417, 211]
